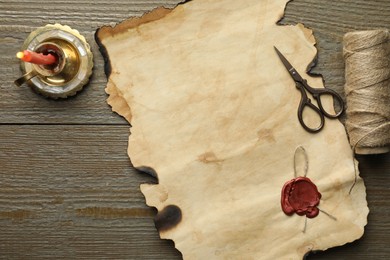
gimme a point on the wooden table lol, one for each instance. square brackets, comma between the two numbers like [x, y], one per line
[67, 189]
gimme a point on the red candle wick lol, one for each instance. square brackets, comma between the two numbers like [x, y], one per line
[36, 58]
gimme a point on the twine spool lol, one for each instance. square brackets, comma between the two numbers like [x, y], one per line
[367, 89]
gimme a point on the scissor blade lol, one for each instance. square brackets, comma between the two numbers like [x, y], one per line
[294, 74]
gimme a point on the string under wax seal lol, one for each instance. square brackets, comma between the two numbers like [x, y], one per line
[36, 58]
[367, 89]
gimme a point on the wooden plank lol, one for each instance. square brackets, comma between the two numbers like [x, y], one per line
[70, 191]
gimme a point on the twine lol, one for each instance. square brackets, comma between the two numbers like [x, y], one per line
[367, 90]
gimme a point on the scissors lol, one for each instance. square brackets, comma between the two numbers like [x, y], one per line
[302, 85]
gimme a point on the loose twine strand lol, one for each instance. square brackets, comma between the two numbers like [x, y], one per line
[367, 89]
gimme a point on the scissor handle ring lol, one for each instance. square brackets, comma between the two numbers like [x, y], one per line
[302, 105]
[316, 93]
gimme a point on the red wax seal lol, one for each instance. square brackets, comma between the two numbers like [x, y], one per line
[301, 196]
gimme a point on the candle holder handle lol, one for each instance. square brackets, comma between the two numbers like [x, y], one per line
[26, 77]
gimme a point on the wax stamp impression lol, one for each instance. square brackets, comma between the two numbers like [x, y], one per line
[300, 195]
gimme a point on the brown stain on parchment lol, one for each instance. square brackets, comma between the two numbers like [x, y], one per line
[267, 135]
[209, 157]
[109, 213]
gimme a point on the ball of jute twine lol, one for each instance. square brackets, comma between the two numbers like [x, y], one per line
[367, 90]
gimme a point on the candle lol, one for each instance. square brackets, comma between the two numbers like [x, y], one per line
[36, 58]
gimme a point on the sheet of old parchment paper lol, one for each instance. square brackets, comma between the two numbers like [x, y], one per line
[213, 114]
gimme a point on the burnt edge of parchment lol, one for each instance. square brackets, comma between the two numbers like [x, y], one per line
[280, 21]
[168, 218]
[149, 171]
[103, 52]
[131, 22]
[110, 31]
[314, 62]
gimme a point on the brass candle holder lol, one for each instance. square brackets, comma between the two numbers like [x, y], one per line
[73, 66]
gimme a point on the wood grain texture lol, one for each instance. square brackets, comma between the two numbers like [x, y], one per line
[66, 186]
[69, 191]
